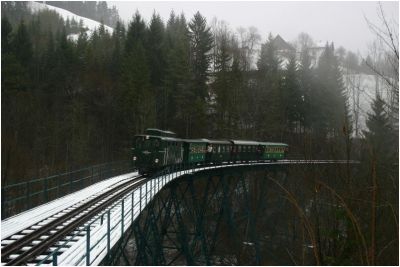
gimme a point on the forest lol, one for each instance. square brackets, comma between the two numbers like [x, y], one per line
[69, 103]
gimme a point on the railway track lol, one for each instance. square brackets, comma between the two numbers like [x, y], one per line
[39, 238]
[31, 245]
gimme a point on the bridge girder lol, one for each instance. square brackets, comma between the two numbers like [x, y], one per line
[206, 219]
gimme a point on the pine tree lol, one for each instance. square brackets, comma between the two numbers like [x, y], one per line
[222, 87]
[332, 98]
[201, 42]
[22, 44]
[291, 96]
[137, 32]
[332, 121]
[270, 113]
[306, 78]
[157, 66]
[379, 135]
[137, 95]
[177, 93]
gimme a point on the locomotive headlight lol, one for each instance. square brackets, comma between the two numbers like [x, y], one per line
[156, 160]
[134, 158]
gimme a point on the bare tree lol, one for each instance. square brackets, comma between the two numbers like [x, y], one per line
[248, 39]
[386, 65]
[305, 40]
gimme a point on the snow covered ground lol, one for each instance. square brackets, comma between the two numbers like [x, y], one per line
[65, 14]
[361, 92]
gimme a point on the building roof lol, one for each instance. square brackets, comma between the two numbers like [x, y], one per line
[281, 44]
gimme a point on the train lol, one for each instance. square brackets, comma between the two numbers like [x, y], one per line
[156, 150]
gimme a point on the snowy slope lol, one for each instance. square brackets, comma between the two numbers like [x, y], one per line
[89, 23]
[361, 91]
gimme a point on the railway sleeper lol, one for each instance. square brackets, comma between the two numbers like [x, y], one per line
[26, 248]
[27, 231]
[7, 242]
[58, 249]
[16, 237]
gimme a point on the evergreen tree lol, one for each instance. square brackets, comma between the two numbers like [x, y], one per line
[222, 87]
[306, 78]
[333, 102]
[118, 40]
[332, 122]
[291, 96]
[22, 44]
[270, 113]
[137, 32]
[137, 96]
[380, 135]
[178, 93]
[201, 42]
[157, 66]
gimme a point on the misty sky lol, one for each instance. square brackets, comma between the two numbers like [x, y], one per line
[340, 22]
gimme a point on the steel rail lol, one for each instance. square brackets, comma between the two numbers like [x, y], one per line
[26, 240]
[41, 247]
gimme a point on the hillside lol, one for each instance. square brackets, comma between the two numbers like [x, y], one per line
[90, 24]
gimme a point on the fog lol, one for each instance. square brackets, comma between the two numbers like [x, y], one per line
[341, 22]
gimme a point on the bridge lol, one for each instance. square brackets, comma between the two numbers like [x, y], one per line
[102, 220]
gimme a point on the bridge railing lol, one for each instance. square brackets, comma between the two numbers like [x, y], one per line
[25, 195]
[103, 230]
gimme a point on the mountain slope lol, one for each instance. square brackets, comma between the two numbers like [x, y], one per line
[89, 23]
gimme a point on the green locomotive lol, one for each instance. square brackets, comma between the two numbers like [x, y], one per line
[157, 149]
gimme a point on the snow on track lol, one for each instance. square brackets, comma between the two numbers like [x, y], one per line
[27, 218]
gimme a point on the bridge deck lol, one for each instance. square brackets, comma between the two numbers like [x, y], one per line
[27, 218]
[89, 244]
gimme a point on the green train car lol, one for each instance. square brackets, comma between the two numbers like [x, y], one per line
[157, 149]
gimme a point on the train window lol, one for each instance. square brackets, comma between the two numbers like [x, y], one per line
[138, 142]
[156, 143]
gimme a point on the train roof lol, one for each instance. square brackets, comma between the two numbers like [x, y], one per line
[256, 143]
[272, 144]
[163, 138]
[245, 142]
[220, 142]
[208, 141]
[158, 132]
[195, 140]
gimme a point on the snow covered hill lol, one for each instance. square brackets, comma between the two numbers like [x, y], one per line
[65, 14]
[361, 91]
